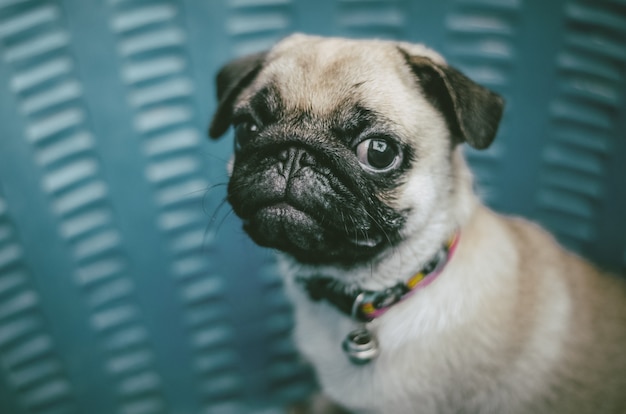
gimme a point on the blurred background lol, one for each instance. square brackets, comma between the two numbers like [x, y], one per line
[127, 287]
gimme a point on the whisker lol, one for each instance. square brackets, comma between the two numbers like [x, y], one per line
[227, 215]
[217, 210]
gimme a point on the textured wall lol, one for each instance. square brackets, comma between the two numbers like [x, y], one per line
[127, 287]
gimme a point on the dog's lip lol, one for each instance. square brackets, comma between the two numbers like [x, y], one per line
[285, 209]
[280, 209]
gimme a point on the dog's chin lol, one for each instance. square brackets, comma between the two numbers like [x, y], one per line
[308, 240]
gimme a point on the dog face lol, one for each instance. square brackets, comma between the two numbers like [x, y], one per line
[344, 147]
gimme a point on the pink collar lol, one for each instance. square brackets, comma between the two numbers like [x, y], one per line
[366, 305]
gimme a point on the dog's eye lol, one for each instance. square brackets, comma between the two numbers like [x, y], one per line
[378, 154]
[244, 132]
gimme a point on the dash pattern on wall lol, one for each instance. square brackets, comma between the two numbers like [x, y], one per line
[36, 45]
[584, 115]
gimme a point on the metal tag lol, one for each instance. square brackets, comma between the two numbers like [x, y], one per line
[360, 346]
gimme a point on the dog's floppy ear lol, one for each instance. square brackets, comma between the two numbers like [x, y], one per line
[231, 80]
[472, 111]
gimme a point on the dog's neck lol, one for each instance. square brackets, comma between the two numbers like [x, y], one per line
[366, 305]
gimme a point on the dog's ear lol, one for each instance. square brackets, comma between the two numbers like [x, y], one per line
[472, 111]
[231, 80]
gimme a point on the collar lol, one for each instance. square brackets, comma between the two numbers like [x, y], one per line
[366, 305]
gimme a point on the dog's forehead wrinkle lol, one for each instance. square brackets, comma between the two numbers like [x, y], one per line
[319, 77]
[353, 118]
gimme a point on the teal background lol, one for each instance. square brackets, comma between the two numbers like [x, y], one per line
[126, 287]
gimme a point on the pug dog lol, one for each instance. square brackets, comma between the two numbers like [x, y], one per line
[410, 295]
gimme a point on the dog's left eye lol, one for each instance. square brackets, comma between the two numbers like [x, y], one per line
[378, 154]
[244, 132]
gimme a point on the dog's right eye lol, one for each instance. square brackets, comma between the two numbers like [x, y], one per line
[244, 132]
[378, 154]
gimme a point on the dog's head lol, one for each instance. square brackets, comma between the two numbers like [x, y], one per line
[343, 146]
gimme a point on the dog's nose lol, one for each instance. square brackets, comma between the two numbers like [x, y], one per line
[293, 159]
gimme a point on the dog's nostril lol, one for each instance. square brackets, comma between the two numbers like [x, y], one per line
[307, 160]
[297, 157]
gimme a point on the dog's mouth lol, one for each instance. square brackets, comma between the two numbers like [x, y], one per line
[309, 237]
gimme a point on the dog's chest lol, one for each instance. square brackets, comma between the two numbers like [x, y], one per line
[408, 372]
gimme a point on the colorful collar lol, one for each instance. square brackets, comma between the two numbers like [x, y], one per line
[366, 305]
